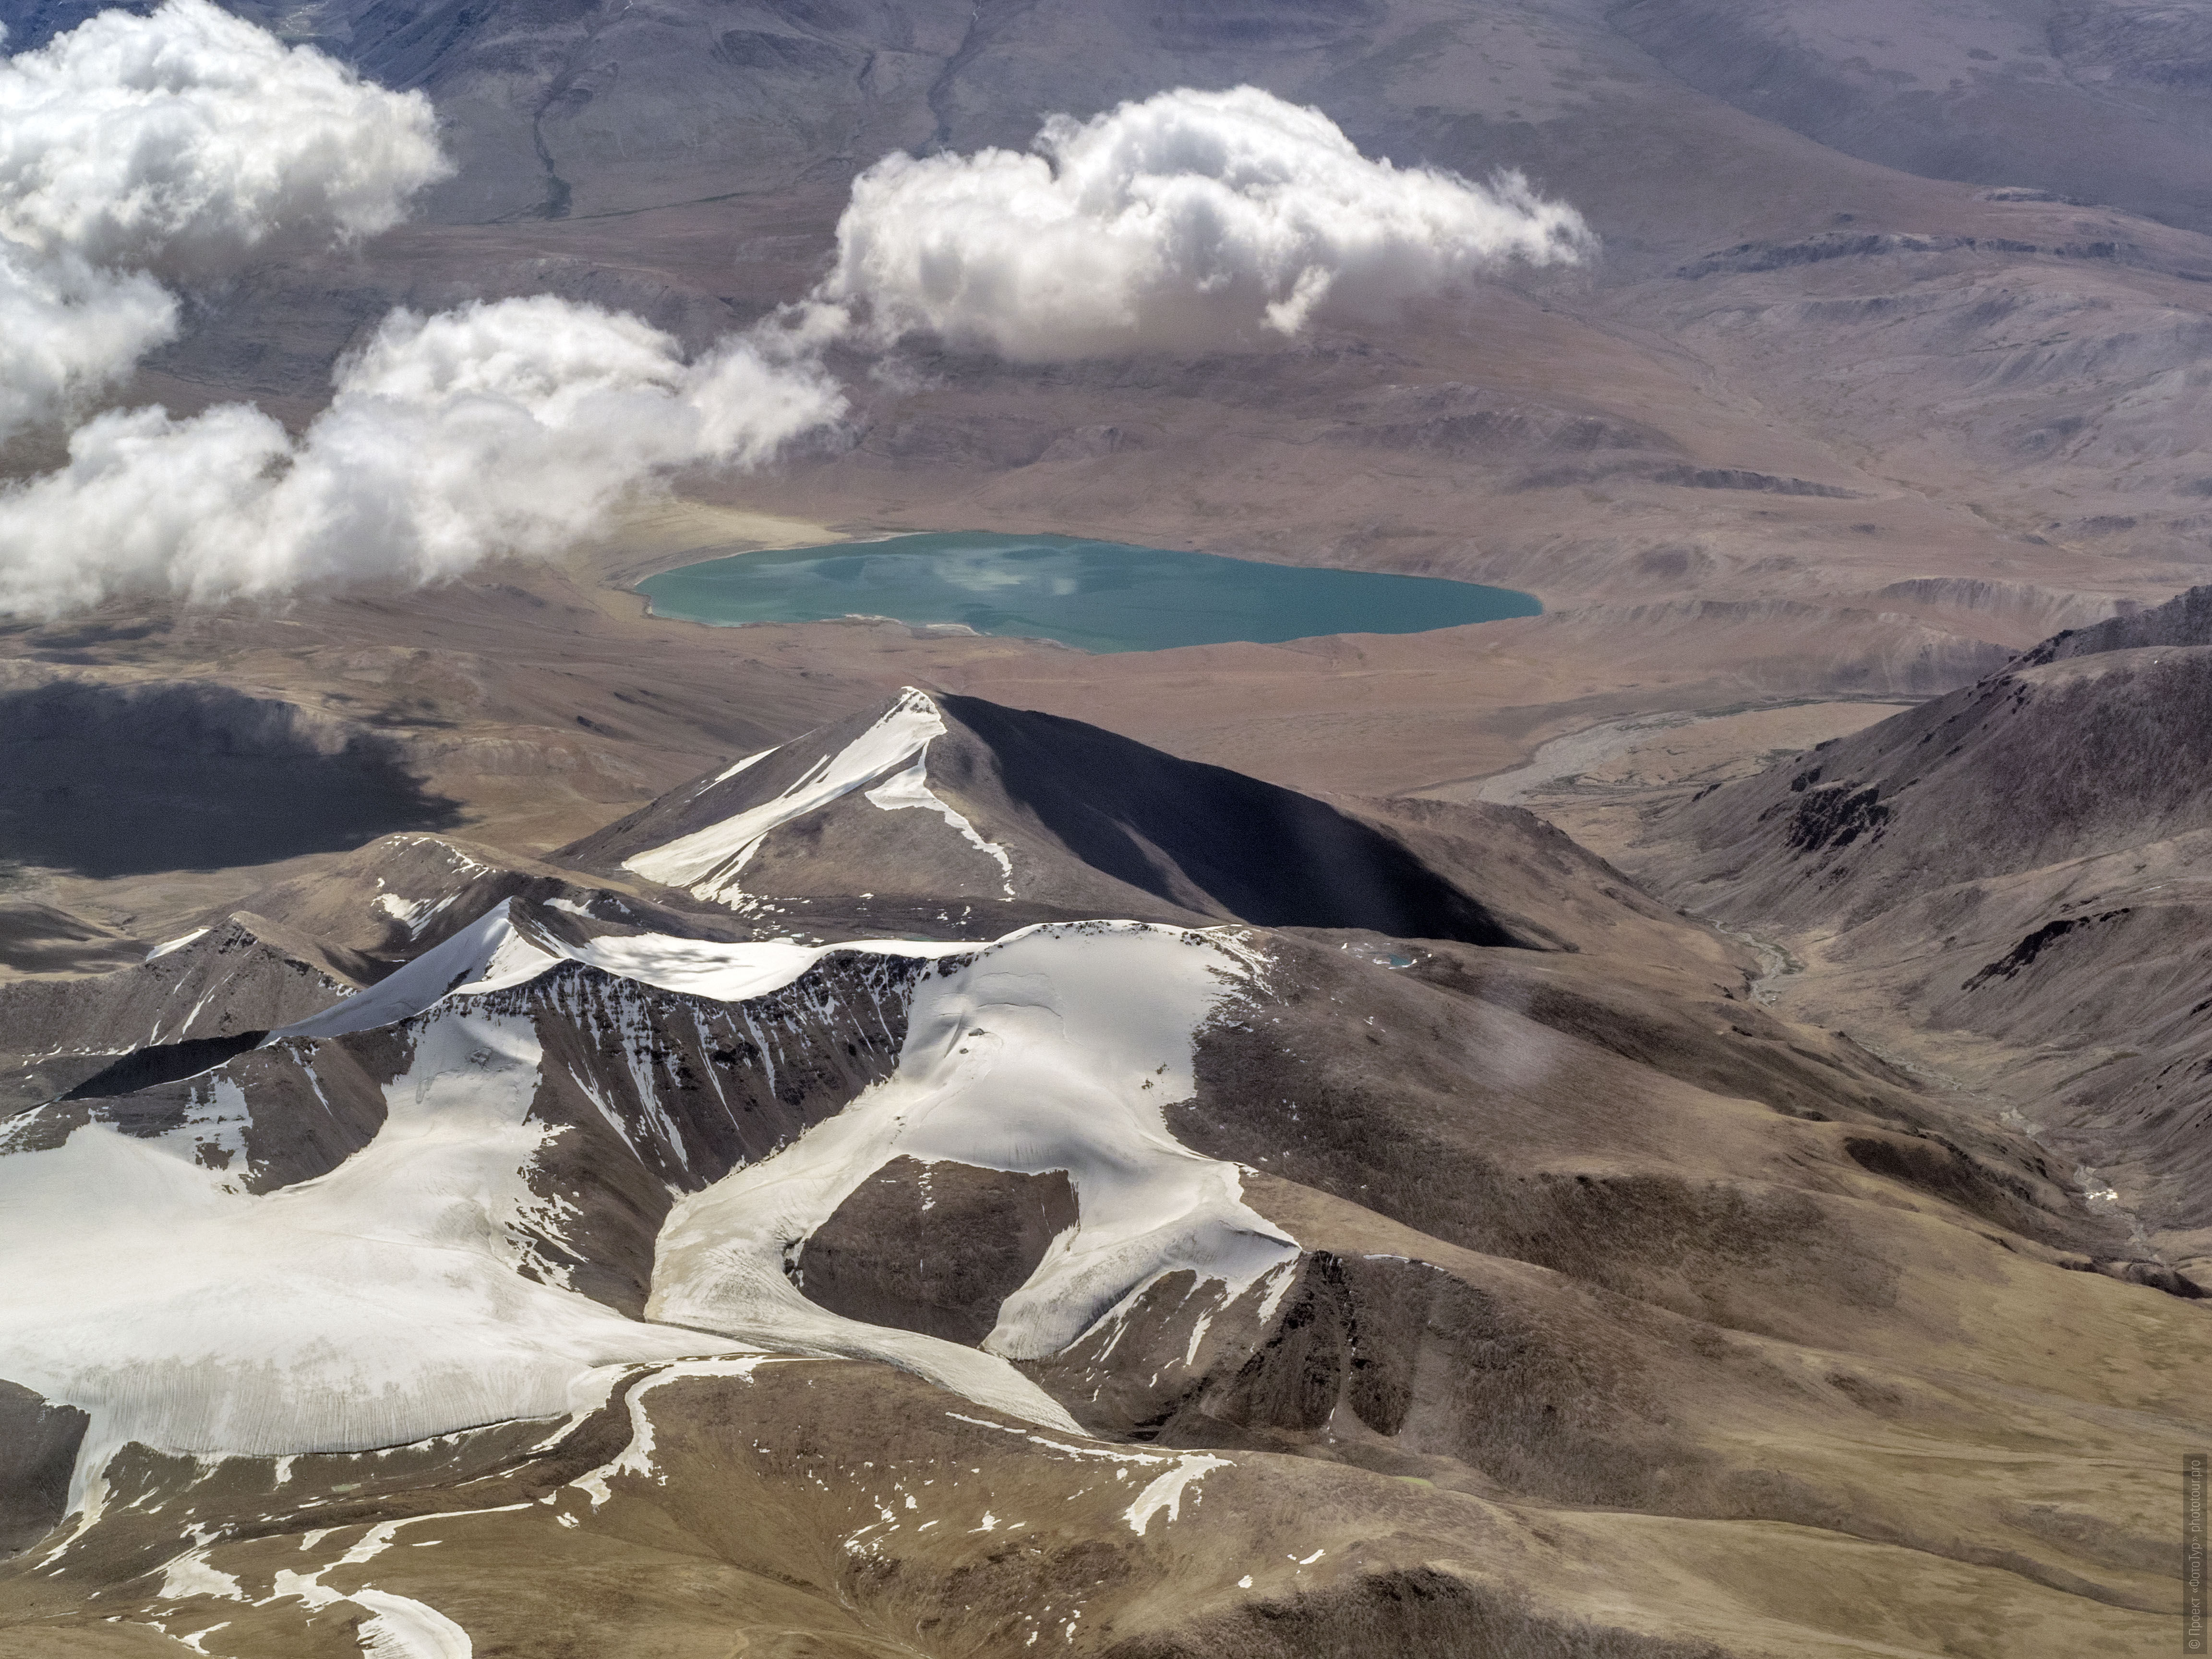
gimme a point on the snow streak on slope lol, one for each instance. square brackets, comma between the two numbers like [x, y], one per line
[490, 954]
[1054, 1049]
[893, 754]
[402, 1628]
[911, 788]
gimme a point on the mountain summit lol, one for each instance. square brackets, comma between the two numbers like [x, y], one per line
[927, 804]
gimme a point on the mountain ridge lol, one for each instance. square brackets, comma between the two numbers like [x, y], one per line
[1170, 1226]
[2016, 864]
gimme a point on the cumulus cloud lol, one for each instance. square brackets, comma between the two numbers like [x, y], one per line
[1191, 219]
[512, 427]
[66, 328]
[140, 150]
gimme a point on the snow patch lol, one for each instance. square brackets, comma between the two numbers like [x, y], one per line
[190, 1575]
[910, 788]
[414, 914]
[1165, 1491]
[727, 773]
[490, 954]
[1198, 1329]
[178, 943]
[400, 1628]
[1279, 1283]
[636, 1457]
[734, 973]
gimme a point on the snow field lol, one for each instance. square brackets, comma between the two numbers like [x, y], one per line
[376, 1305]
[382, 1303]
[1054, 1048]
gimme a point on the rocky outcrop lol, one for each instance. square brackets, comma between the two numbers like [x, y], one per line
[934, 1247]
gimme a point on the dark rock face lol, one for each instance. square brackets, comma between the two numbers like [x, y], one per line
[697, 1087]
[1185, 1365]
[1707, 477]
[935, 1248]
[1836, 816]
[2185, 619]
[2024, 954]
[38, 1448]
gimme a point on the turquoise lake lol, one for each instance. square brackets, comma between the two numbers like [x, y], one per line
[1098, 595]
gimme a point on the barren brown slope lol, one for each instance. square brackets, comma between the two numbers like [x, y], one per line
[2013, 869]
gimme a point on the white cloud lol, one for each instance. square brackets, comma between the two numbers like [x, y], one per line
[186, 138]
[138, 150]
[1190, 220]
[66, 328]
[512, 427]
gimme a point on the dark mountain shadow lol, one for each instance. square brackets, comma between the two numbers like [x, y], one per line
[116, 781]
[1265, 853]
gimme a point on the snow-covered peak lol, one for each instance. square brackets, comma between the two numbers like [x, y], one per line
[888, 762]
[490, 954]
